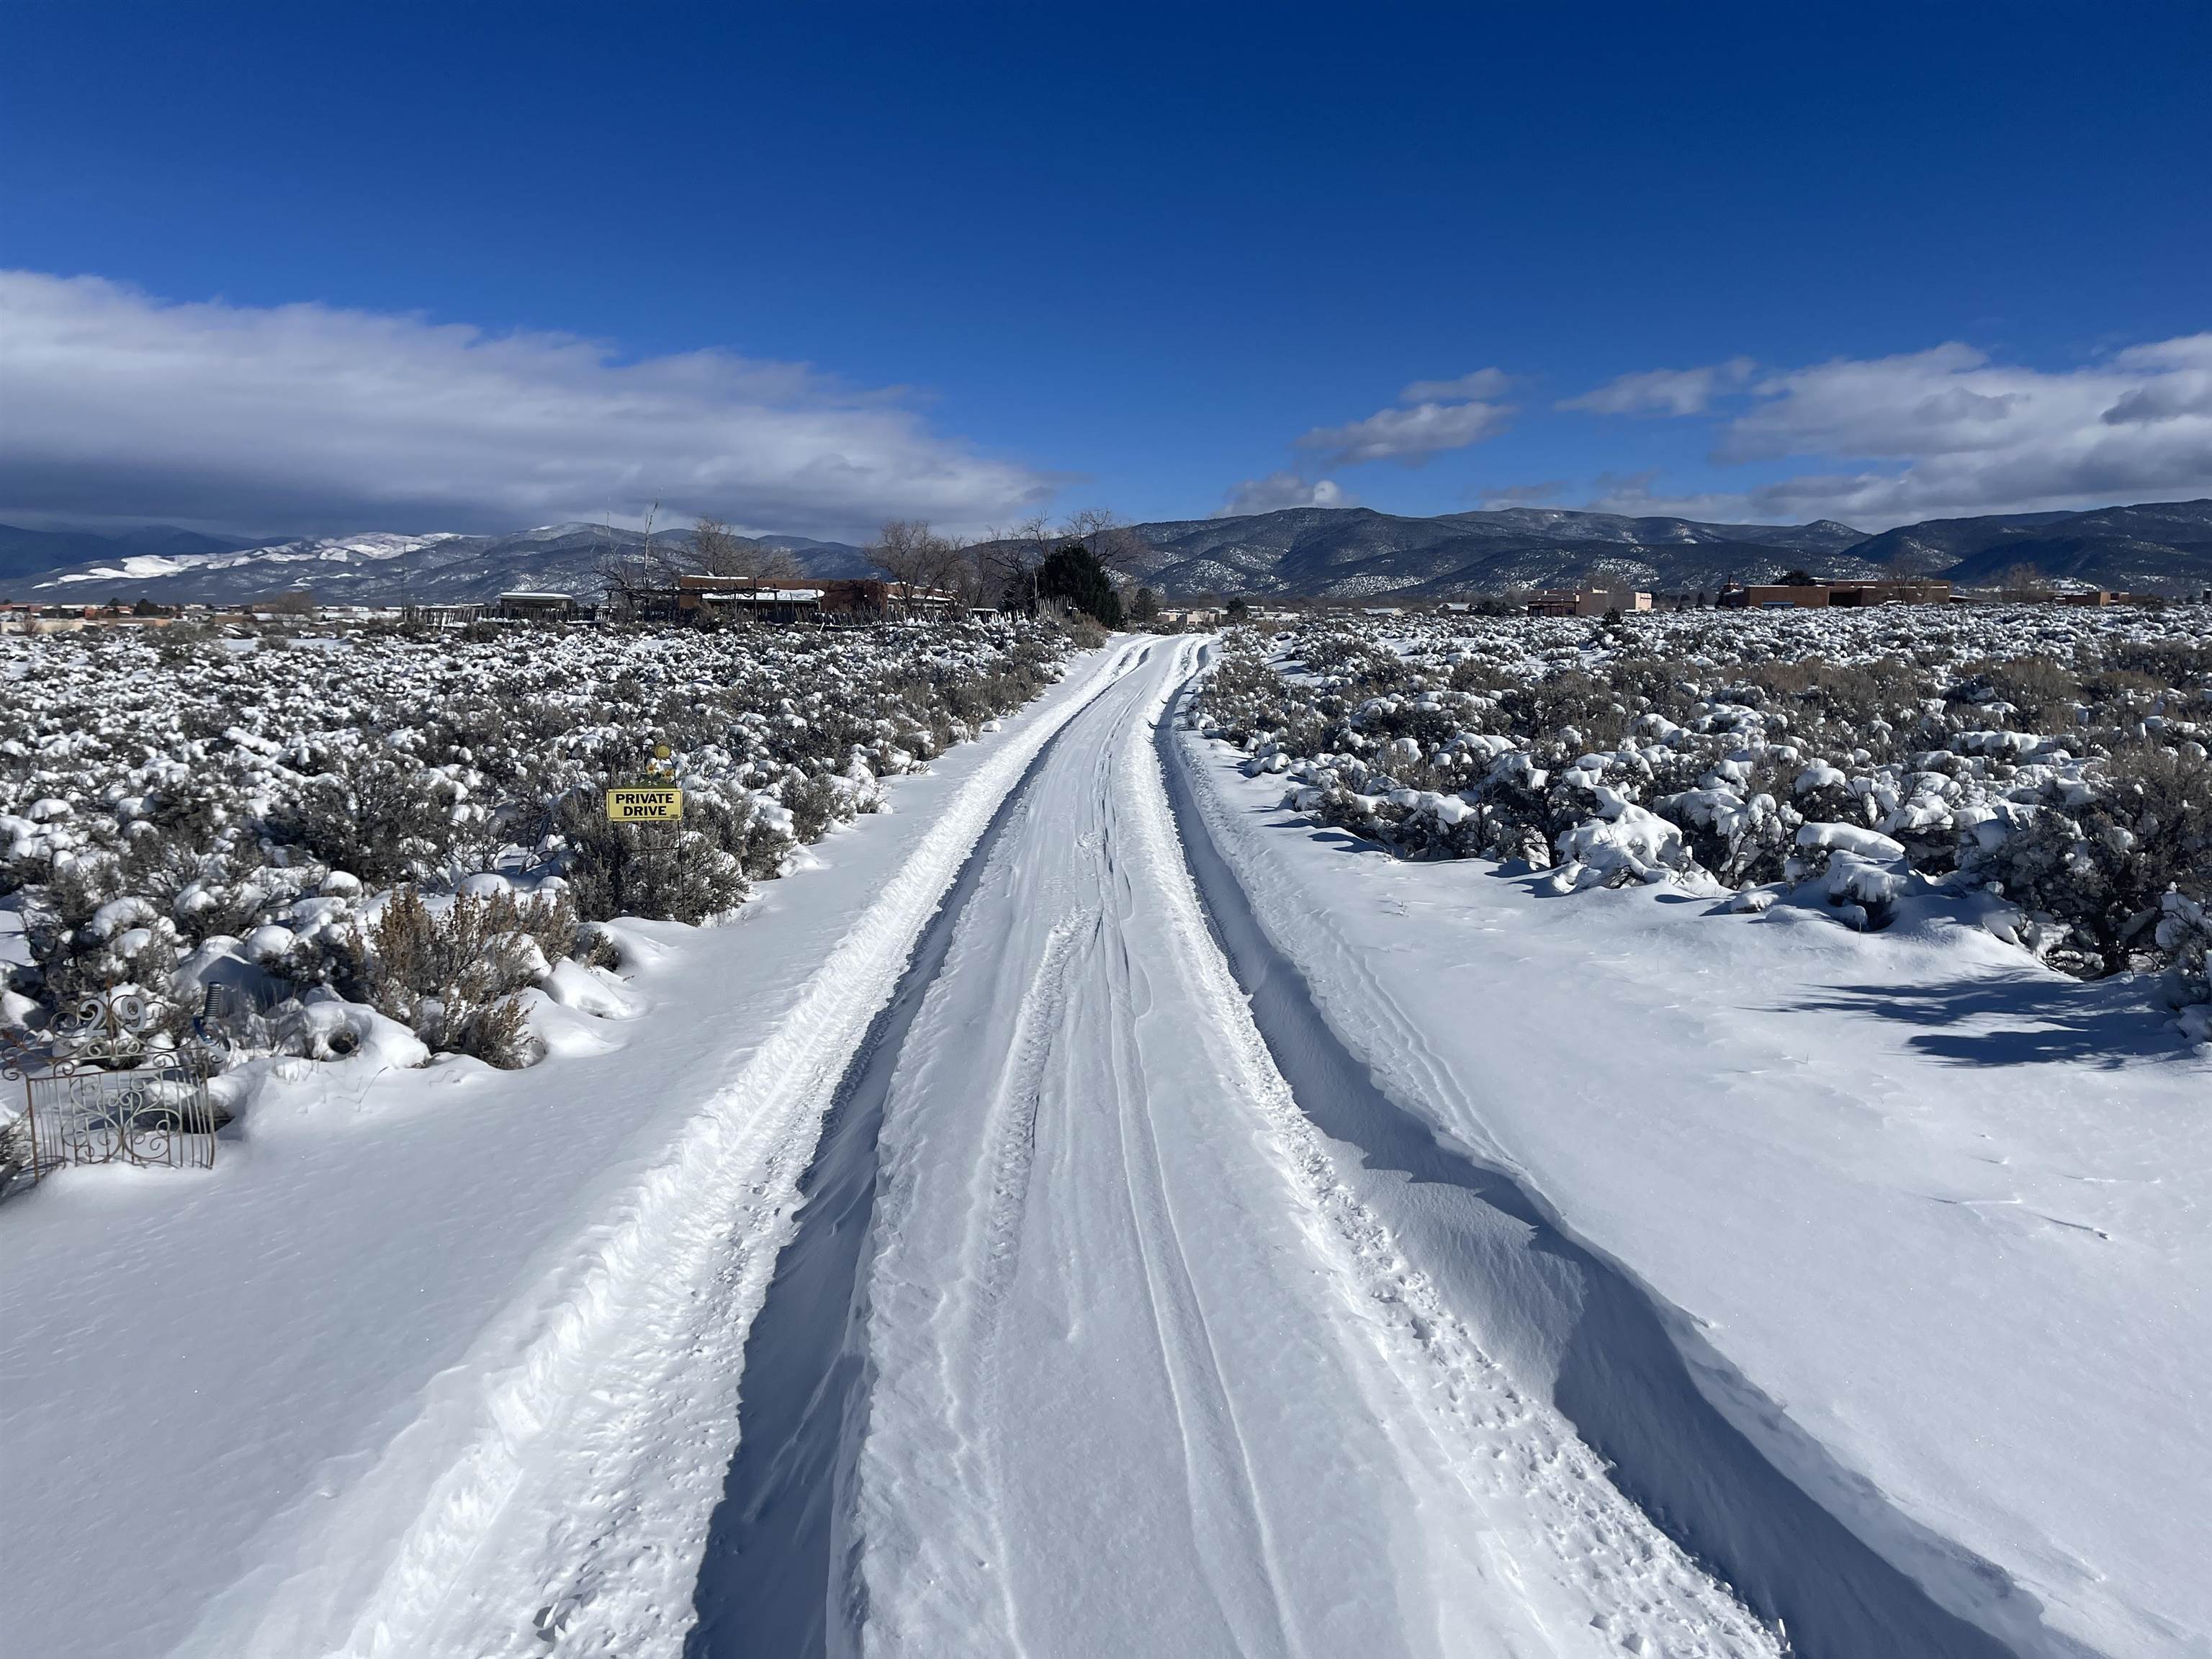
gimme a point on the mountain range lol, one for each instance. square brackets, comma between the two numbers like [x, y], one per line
[379, 568]
[30, 552]
[1340, 553]
[1356, 553]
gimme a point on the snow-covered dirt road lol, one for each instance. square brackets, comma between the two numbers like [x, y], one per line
[1007, 1257]
[1086, 1345]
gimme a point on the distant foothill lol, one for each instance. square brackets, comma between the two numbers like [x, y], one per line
[1340, 555]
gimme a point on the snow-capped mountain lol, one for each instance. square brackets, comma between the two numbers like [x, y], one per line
[1345, 553]
[1355, 552]
[383, 568]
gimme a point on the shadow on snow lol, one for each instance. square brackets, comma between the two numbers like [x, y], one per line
[1569, 1324]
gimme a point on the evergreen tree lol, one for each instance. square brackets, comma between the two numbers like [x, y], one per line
[1072, 573]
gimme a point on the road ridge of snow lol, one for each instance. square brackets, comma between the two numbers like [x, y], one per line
[597, 1416]
[1603, 1548]
[1013, 1151]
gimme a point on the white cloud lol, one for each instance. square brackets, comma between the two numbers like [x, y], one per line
[1278, 491]
[1443, 415]
[308, 416]
[1976, 436]
[1483, 382]
[1945, 433]
[1663, 391]
[1408, 436]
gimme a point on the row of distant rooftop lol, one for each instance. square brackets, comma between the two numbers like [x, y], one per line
[1812, 594]
[689, 599]
[692, 599]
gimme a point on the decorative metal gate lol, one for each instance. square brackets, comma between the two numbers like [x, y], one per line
[100, 1088]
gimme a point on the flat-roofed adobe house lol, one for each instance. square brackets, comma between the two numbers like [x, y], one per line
[538, 607]
[1820, 596]
[828, 600]
[1587, 601]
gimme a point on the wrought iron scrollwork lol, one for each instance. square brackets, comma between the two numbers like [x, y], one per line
[104, 1085]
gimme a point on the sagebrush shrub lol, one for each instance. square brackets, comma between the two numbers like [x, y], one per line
[690, 872]
[257, 800]
[2059, 756]
[449, 972]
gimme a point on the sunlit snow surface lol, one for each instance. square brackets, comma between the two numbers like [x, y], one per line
[1930, 1218]
[451, 1362]
[326, 550]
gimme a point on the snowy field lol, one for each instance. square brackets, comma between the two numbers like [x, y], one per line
[2046, 764]
[1100, 1203]
[394, 1280]
[1925, 1211]
[180, 814]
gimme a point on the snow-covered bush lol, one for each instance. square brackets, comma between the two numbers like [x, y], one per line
[2185, 934]
[450, 971]
[192, 814]
[2055, 755]
[2092, 854]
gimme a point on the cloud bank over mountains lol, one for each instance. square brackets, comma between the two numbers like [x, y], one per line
[1979, 436]
[1946, 432]
[1430, 417]
[1943, 432]
[119, 406]
[310, 417]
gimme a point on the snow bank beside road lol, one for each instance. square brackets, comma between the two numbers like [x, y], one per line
[1929, 1214]
[361, 1346]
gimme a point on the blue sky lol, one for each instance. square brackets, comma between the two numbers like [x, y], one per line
[401, 266]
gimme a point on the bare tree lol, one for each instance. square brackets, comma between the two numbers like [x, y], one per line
[626, 575]
[1113, 542]
[663, 562]
[974, 580]
[898, 549]
[1087, 523]
[917, 559]
[1008, 561]
[718, 550]
[949, 563]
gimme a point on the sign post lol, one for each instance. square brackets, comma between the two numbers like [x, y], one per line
[656, 801]
[644, 803]
[655, 806]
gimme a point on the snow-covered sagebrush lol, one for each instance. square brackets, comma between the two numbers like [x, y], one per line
[327, 833]
[2051, 760]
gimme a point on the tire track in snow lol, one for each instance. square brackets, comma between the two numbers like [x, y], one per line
[1220, 1485]
[776, 1580]
[777, 1575]
[1013, 1140]
[566, 1496]
[1514, 1456]
[1415, 1062]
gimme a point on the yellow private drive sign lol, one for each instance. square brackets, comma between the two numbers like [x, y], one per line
[644, 803]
